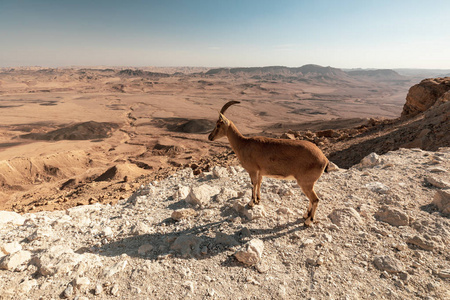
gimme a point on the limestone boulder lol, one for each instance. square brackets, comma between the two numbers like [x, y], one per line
[250, 253]
[392, 216]
[201, 195]
[347, 216]
[15, 260]
[256, 212]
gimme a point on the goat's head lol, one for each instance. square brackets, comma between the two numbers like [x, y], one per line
[222, 124]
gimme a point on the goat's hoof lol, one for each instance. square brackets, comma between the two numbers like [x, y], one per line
[305, 215]
[308, 222]
[250, 205]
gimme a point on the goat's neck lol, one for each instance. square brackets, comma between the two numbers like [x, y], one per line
[235, 138]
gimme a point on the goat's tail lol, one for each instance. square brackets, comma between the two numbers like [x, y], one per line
[330, 167]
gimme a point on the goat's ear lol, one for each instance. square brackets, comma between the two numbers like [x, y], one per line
[224, 119]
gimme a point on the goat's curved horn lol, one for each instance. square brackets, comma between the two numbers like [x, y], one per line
[228, 104]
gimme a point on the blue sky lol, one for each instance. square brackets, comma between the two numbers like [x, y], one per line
[209, 33]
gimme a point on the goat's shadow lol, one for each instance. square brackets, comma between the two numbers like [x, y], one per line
[199, 242]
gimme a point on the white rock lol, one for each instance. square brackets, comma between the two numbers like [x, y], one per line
[345, 217]
[27, 285]
[370, 160]
[58, 259]
[239, 169]
[258, 211]
[11, 217]
[98, 289]
[140, 229]
[307, 242]
[226, 194]
[219, 172]
[211, 292]
[284, 211]
[442, 201]
[181, 193]
[327, 237]
[201, 195]
[138, 199]
[12, 247]
[320, 261]
[251, 253]
[115, 290]
[68, 292]
[393, 216]
[81, 283]
[116, 268]
[377, 187]
[14, 260]
[107, 231]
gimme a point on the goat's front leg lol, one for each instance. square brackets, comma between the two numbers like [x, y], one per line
[256, 182]
[258, 189]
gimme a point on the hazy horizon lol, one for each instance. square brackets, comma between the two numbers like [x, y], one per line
[204, 67]
[341, 34]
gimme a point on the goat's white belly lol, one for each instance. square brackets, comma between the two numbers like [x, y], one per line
[289, 177]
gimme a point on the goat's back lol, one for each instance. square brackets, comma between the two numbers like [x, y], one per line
[282, 158]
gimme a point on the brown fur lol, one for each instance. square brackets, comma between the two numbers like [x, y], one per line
[279, 158]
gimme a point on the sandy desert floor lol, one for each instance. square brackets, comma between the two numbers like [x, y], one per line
[77, 136]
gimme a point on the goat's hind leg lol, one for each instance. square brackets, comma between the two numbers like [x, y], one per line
[308, 189]
[308, 211]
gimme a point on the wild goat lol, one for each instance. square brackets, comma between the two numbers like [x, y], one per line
[278, 158]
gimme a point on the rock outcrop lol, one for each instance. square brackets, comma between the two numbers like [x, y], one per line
[424, 95]
[425, 124]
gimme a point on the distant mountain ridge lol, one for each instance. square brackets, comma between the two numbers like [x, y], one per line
[309, 71]
[378, 73]
[280, 70]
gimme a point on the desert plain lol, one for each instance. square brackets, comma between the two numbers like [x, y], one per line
[73, 136]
